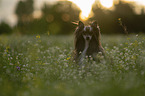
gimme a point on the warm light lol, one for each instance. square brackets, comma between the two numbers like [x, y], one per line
[85, 6]
[106, 3]
[141, 2]
[37, 14]
[83, 17]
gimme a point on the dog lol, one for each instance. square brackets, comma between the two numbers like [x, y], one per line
[87, 42]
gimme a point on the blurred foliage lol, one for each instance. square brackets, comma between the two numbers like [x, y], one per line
[5, 28]
[109, 19]
[24, 10]
[57, 18]
[39, 65]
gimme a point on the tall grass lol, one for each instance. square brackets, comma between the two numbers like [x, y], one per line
[42, 66]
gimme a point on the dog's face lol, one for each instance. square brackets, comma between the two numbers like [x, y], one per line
[87, 31]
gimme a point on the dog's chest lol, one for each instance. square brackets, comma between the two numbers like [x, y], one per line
[84, 52]
[85, 49]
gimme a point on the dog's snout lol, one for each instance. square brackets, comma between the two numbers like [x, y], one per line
[87, 38]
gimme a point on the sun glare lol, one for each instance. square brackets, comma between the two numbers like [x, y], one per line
[106, 3]
[141, 2]
[85, 7]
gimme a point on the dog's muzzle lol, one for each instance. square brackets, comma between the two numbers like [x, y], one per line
[87, 38]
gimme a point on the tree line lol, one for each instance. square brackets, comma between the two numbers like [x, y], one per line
[58, 18]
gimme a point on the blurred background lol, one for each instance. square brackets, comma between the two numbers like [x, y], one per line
[55, 17]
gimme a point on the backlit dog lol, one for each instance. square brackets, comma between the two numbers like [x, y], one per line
[87, 42]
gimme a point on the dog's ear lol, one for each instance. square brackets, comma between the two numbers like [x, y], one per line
[81, 25]
[94, 24]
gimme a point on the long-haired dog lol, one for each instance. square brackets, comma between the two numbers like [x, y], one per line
[87, 42]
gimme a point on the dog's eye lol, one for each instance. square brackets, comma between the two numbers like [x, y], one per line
[84, 33]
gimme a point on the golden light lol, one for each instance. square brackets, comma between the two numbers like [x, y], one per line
[85, 7]
[37, 14]
[140, 2]
[106, 3]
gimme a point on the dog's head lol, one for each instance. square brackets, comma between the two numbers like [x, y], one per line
[87, 31]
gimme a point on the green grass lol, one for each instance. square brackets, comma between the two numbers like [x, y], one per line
[33, 66]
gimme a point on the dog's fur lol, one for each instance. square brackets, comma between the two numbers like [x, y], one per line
[87, 41]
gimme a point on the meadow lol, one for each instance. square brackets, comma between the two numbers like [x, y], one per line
[42, 65]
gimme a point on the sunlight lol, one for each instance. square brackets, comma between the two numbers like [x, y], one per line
[141, 2]
[85, 6]
[106, 3]
[37, 14]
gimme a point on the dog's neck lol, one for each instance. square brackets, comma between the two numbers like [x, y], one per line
[83, 54]
[86, 47]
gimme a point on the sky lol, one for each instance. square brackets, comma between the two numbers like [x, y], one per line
[7, 9]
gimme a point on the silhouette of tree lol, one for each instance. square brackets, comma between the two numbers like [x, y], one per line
[109, 20]
[124, 10]
[24, 11]
[127, 14]
[60, 16]
[104, 18]
[5, 28]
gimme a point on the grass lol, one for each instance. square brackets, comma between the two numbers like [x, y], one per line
[42, 66]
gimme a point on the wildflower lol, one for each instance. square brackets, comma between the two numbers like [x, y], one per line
[131, 43]
[18, 68]
[11, 64]
[38, 36]
[133, 57]
[4, 67]
[139, 42]
[142, 73]
[43, 64]
[48, 33]
[128, 38]
[11, 58]
[121, 53]
[7, 48]
[135, 41]
[119, 19]
[107, 49]
[121, 44]
[68, 58]
[126, 43]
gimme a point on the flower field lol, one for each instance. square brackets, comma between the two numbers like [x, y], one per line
[43, 66]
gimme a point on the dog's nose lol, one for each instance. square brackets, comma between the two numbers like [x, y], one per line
[87, 38]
